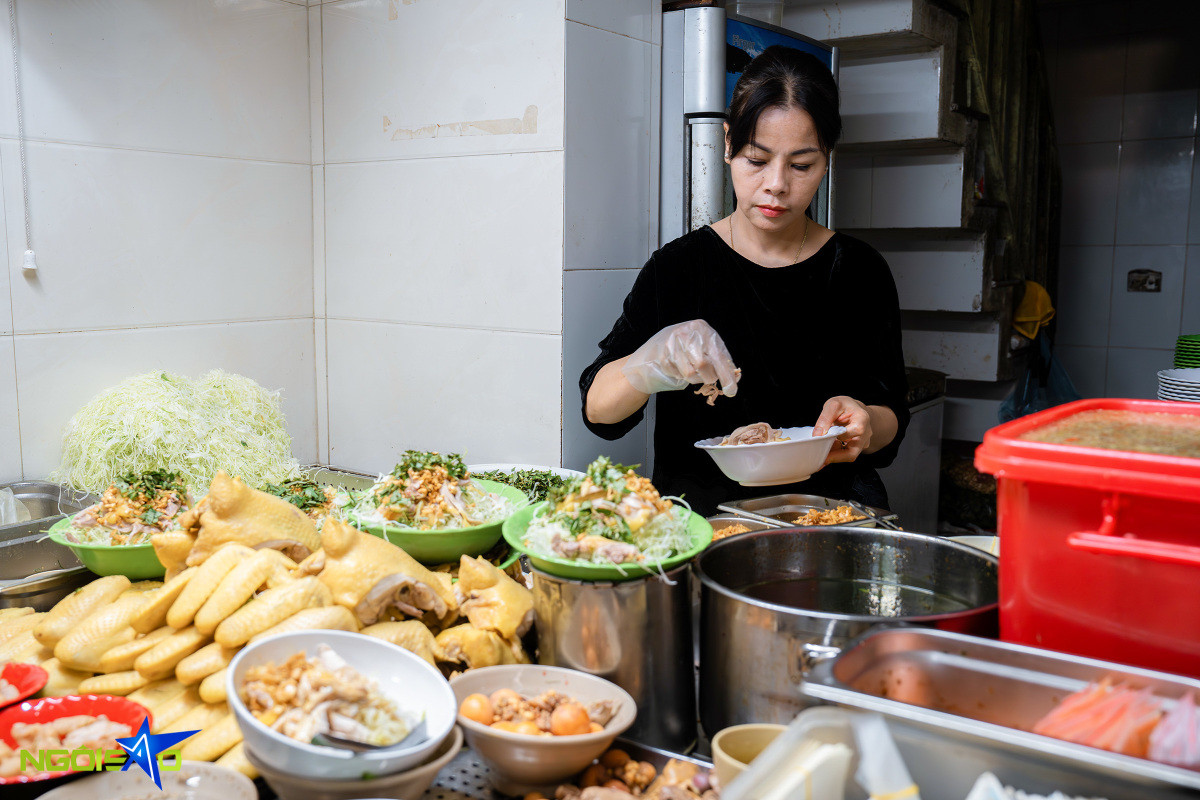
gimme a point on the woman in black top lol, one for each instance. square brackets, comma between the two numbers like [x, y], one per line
[810, 317]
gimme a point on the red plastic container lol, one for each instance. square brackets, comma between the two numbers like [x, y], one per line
[1100, 549]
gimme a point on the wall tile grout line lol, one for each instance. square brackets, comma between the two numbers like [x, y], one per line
[151, 150]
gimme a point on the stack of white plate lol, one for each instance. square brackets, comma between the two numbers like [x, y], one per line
[1179, 384]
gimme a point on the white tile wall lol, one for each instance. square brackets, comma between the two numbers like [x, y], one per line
[932, 274]
[608, 142]
[1152, 203]
[1085, 288]
[852, 176]
[1190, 322]
[592, 301]
[183, 76]
[1194, 204]
[10, 432]
[492, 396]
[1089, 192]
[127, 238]
[1085, 366]
[467, 241]
[1146, 319]
[58, 373]
[1133, 372]
[637, 19]
[316, 87]
[412, 79]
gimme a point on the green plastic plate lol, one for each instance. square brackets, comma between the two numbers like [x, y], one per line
[514, 534]
[446, 545]
[134, 561]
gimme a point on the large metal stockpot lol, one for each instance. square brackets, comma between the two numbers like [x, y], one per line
[773, 602]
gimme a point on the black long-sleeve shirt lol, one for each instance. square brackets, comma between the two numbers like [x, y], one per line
[801, 334]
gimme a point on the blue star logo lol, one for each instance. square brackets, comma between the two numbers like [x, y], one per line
[144, 747]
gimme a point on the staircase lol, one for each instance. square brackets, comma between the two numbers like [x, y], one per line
[948, 166]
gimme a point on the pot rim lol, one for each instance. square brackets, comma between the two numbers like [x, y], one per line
[710, 583]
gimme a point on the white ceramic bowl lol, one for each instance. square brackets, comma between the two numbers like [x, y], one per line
[520, 763]
[194, 780]
[402, 677]
[773, 463]
[406, 785]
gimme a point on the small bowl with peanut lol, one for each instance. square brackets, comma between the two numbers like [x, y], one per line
[535, 726]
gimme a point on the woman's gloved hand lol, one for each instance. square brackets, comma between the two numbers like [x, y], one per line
[678, 355]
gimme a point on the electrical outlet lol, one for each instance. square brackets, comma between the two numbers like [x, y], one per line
[1144, 280]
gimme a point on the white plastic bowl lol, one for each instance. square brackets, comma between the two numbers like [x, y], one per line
[773, 463]
[402, 677]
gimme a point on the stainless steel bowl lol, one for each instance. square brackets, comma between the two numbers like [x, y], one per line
[774, 602]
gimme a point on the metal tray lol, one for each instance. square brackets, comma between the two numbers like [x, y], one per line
[34, 571]
[988, 694]
[781, 510]
[723, 521]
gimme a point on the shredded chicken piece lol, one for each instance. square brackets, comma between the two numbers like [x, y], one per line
[710, 392]
[757, 433]
[79, 732]
[302, 697]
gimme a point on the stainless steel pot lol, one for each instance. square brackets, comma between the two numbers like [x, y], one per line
[773, 602]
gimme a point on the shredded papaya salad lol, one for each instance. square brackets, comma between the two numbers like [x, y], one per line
[132, 509]
[611, 515]
[429, 491]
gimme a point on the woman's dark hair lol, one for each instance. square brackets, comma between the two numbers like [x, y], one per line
[783, 77]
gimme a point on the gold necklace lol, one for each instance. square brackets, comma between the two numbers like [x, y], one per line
[803, 239]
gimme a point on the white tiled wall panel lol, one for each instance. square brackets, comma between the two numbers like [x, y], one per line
[1191, 294]
[316, 97]
[129, 238]
[58, 373]
[852, 177]
[1133, 372]
[823, 20]
[1146, 319]
[318, 241]
[592, 301]
[934, 275]
[1085, 290]
[185, 76]
[1152, 203]
[10, 434]
[404, 79]
[637, 19]
[1085, 366]
[608, 142]
[890, 98]
[470, 241]
[1089, 192]
[321, 373]
[1194, 205]
[491, 396]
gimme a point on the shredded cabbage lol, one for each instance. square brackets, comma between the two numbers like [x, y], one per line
[481, 505]
[194, 427]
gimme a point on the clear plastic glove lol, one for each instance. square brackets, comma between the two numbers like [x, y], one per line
[679, 355]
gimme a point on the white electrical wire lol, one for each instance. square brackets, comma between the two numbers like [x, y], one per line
[29, 262]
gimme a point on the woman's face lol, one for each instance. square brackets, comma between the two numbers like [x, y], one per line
[776, 175]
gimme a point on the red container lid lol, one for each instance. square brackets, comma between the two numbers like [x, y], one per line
[1005, 455]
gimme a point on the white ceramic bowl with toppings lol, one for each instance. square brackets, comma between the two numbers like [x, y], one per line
[773, 463]
[521, 762]
[405, 679]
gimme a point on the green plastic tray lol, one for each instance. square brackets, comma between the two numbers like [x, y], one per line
[134, 561]
[514, 534]
[446, 545]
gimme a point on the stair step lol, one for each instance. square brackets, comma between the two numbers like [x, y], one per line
[909, 190]
[901, 101]
[872, 27]
[965, 347]
[937, 273]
